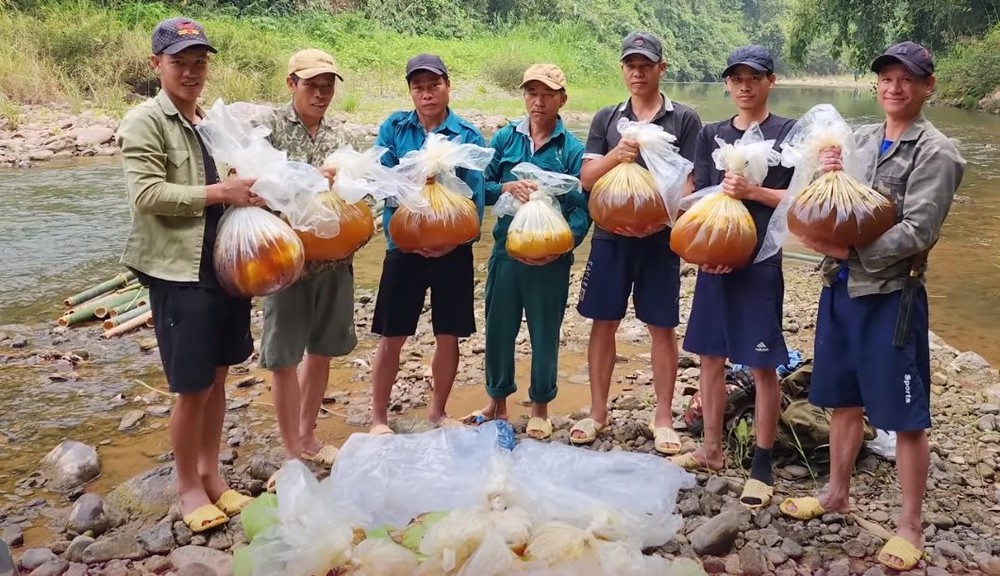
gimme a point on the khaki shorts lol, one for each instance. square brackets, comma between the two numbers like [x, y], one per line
[314, 315]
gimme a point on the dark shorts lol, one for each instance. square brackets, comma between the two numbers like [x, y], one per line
[856, 363]
[403, 287]
[738, 316]
[197, 330]
[646, 268]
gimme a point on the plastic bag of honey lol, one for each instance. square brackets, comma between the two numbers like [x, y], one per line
[443, 214]
[359, 176]
[256, 253]
[836, 206]
[717, 229]
[630, 196]
[538, 228]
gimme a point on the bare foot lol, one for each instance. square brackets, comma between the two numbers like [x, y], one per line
[214, 487]
[311, 445]
[192, 500]
[600, 417]
[538, 410]
[712, 460]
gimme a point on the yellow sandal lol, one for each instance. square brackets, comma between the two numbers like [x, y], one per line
[205, 518]
[806, 508]
[539, 428]
[665, 440]
[590, 428]
[900, 549]
[232, 502]
[757, 491]
[690, 462]
[325, 457]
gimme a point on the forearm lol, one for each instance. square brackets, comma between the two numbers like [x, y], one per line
[162, 198]
[767, 196]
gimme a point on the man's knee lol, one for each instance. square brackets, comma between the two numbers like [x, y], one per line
[391, 344]
[604, 328]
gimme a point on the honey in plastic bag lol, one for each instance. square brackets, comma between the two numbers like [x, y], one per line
[256, 253]
[451, 220]
[357, 226]
[538, 228]
[837, 208]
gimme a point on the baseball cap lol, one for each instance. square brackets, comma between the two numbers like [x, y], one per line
[548, 74]
[916, 58]
[429, 62]
[754, 56]
[643, 44]
[175, 34]
[312, 62]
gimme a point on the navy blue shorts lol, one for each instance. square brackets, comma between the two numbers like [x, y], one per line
[856, 363]
[738, 316]
[646, 268]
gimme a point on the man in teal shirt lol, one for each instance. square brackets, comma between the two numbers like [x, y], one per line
[406, 276]
[538, 288]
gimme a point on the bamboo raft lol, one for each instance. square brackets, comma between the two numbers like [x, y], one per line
[121, 304]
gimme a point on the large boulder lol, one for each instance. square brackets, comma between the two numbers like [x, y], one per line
[88, 514]
[147, 496]
[118, 547]
[70, 465]
[972, 369]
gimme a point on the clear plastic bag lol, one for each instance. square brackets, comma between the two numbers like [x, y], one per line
[538, 229]
[286, 186]
[641, 198]
[615, 495]
[446, 215]
[716, 229]
[837, 206]
[256, 253]
[557, 543]
[492, 558]
[381, 557]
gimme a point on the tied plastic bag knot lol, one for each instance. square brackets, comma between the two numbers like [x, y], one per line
[438, 159]
[538, 228]
[751, 156]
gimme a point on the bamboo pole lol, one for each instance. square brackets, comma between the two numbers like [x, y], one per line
[125, 316]
[140, 299]
[102, 288]
[102, 310]
[102, 298]
[808, 258]
[88, 311]
[128, 326]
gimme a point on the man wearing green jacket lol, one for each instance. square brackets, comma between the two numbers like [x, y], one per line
[537, 288]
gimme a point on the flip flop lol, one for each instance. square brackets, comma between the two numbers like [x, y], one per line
[590, 428]
[381, 430]
[689, 462]
[806, 508]
[232, 502]
[665, 440]
[900, 549]
[539, 428]
[325, 457]
[205, 518]
[756, 494]
[475, 418]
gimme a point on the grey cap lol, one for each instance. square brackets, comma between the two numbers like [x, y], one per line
[754, 56]
[175, 34]
[916, 58]
[644, 44]
[428, 62]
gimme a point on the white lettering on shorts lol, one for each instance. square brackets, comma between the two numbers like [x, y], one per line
[906, 388]
[761, 347]
[586, 279]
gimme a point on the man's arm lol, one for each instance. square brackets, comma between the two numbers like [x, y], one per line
[930, 190]
[386, 139]
[574, 204]
[494, 172]
[477, 181]
[598, 161]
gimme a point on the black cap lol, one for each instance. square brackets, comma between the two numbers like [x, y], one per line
[429, 62]
[175, 34]
[754, 56]
[643, 44]
[915, 57]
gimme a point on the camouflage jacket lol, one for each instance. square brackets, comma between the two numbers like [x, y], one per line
[920, 172]
[289, 134]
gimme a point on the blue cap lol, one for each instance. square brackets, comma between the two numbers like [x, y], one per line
[754, 56]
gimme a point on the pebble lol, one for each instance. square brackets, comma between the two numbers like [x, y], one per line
[12, 535]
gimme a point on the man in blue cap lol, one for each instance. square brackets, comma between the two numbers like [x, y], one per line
[737, 314]
[406, 277]
[872, 352]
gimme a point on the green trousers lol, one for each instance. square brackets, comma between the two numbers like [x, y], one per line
[540, 292]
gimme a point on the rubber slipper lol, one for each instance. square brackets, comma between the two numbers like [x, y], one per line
[325, 457]
[806, 508]
[381, 430]
[232, 502]
[665, 440]
[539, 428]
[205, 518]
[475, 418]
[690, 462]
[590, 428]
[756, 494]
[906, 555]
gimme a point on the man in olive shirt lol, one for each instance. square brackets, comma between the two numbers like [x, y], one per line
[176, 203]
[872, 352]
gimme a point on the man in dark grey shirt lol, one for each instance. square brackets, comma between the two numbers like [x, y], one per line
[629, 261]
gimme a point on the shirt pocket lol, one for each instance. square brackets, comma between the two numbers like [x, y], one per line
[177, 165]
[894, 188]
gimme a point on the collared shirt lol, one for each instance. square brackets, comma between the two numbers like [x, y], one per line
[677, 119]
[920, 172]
[165, 181]
[562, 153]
[402, 132]
[289, 134]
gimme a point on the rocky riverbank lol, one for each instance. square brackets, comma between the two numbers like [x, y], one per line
[134, 528]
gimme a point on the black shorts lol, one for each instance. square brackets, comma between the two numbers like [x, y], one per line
[403, 287]
[197, 330]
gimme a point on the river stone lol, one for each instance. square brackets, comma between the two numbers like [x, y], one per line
[147, 496]
[196, 569]
[219, 562]
[12, 535]
[159, 538]
[41, 154]
[752, 561]
[35, 557]
[717, 535]
[76, 569]
[93, 135]
[686, 567]
[75, 551]
[88, 514]
[131, 420]
[69, 465]
[55, 567]
[118, 547]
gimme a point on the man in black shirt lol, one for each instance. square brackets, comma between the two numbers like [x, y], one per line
[737, 314]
